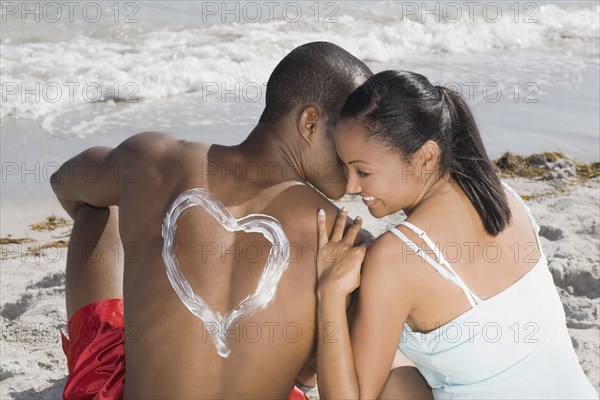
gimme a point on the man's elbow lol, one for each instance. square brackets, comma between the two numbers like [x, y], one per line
[59, 181]
[55, 182]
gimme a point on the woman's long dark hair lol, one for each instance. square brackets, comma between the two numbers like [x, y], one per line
[402, 110]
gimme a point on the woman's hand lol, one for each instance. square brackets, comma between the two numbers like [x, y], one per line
[338, 260]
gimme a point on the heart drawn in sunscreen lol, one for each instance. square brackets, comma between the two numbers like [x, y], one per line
[217, 325]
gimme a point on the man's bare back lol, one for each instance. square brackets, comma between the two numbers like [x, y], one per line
[169, 352]
[269, 348]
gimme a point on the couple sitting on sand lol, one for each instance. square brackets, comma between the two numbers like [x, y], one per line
[237, 274]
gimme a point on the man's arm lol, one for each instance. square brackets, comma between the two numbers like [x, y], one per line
[97, 175]
[86, 178]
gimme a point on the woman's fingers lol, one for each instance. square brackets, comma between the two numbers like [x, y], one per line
[323, 238]
[338, 260]
[358, 255]
[340, 224]
[353, 231]
[338, 229]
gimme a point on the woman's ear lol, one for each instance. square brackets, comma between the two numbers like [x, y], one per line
[428, 154]
[427, 159]
[308, 122]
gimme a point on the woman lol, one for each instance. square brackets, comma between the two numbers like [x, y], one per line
[462, 286]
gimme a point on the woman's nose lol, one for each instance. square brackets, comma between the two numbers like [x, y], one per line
[352, 185]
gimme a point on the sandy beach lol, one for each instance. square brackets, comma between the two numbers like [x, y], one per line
[33, 259]
[529, 71]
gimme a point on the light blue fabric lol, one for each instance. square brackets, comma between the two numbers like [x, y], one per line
[514, 345]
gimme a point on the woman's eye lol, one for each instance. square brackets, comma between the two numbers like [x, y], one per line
[362, 173]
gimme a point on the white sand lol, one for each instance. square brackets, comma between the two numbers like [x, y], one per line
[32, 287]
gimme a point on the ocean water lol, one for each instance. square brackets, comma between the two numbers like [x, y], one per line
[75, 75]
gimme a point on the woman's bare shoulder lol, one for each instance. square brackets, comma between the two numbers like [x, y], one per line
[390, 259]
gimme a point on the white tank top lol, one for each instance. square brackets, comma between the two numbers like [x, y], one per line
[514, 345]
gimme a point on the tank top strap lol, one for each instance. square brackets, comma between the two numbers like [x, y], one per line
[428, 241]
[536, 227]
[441, 266]
[413, 246]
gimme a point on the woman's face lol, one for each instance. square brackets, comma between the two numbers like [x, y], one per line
[386, 182]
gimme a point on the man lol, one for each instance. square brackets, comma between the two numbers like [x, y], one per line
[169, 351]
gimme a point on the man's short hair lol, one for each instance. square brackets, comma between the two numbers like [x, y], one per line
[320, 73]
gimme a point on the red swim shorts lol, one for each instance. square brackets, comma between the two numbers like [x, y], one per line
[95, 353]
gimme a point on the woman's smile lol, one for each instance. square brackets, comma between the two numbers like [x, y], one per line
[369, 201]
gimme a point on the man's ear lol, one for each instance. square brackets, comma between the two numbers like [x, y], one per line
[308, 122]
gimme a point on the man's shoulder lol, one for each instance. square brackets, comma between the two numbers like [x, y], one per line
[154, 146]
[303, 198]
[299, 204]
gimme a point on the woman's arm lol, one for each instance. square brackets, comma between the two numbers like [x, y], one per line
[338, 271]
[386, 299]
[357, 367]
